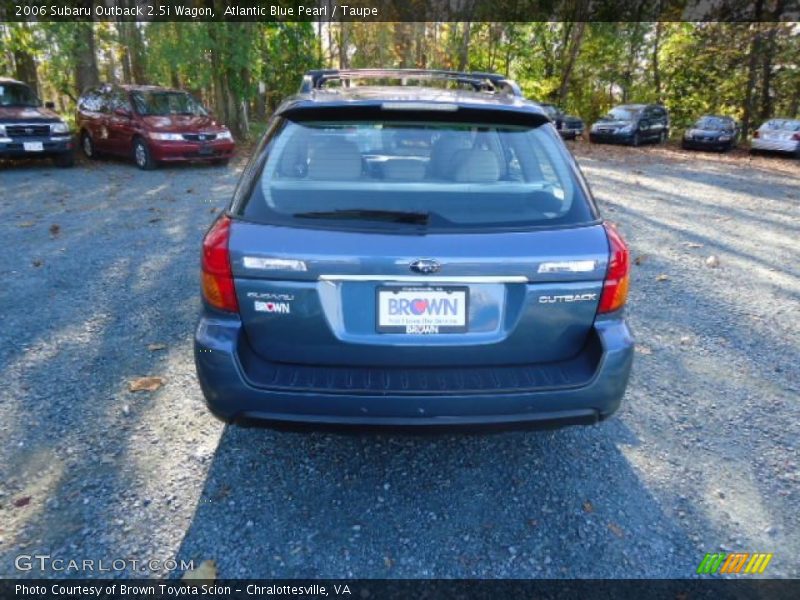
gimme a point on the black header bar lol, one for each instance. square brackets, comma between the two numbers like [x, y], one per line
[400, 10]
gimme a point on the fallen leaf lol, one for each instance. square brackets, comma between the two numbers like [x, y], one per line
[643, 349]
[587, 507]
[154, 347]
[26, 224]
[55, 229]
[640, 259]
[685, 340]
[213, 209]
[38, 263]
[145, 384]
[712, 261]
[206, 570]
[662, 277]
[23, 501]
[616, 530]
[154, 220]
[693, 245]
[189, 190]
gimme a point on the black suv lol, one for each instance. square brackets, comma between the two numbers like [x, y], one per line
[30, 130]
[632, 124]
[569, 126]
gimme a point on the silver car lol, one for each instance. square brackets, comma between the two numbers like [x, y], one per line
[777, 135]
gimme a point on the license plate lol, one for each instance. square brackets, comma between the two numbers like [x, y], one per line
[33, 146]
[205, 150]
[422, 310]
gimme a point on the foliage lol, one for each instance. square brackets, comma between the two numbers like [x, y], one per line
[242, 70]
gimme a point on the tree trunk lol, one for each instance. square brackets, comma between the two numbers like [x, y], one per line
[656, 69]
[463, 54]
[752, 67]
[86, 73]
[26, 69]
[576, 38]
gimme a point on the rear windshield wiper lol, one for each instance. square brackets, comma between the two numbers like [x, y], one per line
[393, 216]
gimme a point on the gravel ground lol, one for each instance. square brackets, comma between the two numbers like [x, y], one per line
[101, 261]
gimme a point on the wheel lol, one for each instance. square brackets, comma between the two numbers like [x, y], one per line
[753, 151]
[141, 155]
[87, 145]
[65, 159]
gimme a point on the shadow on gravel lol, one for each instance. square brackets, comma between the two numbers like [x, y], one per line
[516, 504]
[104, 263]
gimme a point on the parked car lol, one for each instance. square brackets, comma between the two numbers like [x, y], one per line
[632, 124]
[150, 124]
[29, 129]
[711, 132]
[777, 135]
[411, 256]
[569, 127]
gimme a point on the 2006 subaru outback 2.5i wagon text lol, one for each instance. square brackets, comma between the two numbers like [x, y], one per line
[412, 255]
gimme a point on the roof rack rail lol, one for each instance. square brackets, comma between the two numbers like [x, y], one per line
[486, 82]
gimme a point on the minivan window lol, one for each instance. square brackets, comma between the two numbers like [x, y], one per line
[15, 94]
[623, 113]
[163, 103]
[440, 176]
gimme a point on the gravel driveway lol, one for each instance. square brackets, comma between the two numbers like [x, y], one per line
[100, 286]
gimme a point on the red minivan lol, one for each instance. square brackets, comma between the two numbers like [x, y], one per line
[151, 124]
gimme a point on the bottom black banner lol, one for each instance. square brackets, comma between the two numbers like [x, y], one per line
[362, 589]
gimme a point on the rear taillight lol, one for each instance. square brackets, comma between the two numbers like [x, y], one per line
[755, 133]
[218, 289]
[796, 137]
[615, 286]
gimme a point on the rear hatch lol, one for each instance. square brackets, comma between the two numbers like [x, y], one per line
[393, 235]
[520, 305]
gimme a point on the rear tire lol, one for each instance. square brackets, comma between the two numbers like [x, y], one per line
[87, 145]
[141, 155]
[64, 160]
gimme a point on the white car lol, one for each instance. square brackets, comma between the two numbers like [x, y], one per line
[778, 135]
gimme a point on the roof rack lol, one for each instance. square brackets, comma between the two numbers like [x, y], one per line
[481, 82]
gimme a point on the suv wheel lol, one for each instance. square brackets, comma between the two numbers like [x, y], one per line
[142, 156]
[65, 159]
[87, 145]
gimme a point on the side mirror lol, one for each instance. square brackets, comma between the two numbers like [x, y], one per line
[122, 112]
[50, 105]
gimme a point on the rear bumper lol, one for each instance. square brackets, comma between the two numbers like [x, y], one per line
[610, 138]
[232, 395]
[50, 146]
[706, 145]
[186, 151]
[775, 145]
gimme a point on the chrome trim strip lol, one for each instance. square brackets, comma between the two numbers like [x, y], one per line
[431, 279]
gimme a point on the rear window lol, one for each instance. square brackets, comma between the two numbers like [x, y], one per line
[784, 124]
[431, 176]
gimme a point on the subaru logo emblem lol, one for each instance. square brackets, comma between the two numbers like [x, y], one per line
[202, 137]
[29, 130]
[425, 266]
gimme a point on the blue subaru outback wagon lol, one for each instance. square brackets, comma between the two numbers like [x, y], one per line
[412, 248]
